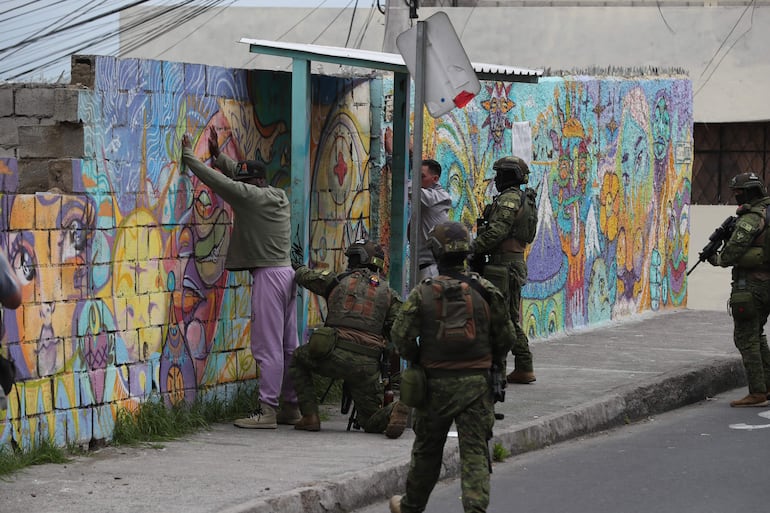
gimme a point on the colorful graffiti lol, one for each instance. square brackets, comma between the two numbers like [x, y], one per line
[125, 292]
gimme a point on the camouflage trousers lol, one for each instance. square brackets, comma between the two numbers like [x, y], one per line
[361, 374]
[517, 278]
[750, 339]
[467, 402]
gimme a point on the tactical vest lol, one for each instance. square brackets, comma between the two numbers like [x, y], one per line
[360, 301]
[524, 226]
[455, 321]
[762, 240]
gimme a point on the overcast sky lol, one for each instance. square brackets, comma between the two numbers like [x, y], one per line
[39, 36]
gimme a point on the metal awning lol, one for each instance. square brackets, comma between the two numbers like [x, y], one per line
[378, 60]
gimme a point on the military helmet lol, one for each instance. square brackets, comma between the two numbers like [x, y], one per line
[450, 237]
[365, 253]
[745, 181]
[513, 169]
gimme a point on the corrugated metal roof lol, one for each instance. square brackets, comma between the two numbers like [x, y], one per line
[378, 60]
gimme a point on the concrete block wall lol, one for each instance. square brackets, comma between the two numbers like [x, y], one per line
[40, 127]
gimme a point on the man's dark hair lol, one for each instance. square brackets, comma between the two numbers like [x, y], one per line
[433, 166]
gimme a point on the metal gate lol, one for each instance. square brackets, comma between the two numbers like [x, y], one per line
[722, 150]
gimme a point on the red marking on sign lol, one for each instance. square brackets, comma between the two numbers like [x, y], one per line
[462, 99]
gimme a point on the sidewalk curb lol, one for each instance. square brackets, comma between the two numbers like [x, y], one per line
[630, 403]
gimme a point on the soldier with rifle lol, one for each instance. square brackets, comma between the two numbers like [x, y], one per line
[507, 226]
[747, 251]
[361, 308]
[465, 332]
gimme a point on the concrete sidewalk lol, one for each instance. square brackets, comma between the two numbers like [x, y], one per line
[586, 381]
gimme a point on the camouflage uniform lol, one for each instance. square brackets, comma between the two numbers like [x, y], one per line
[459, 390]
[744, 252]
[356, 355]
[509, 225]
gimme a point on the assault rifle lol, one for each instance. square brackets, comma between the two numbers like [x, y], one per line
[716, 240]
[497, 378]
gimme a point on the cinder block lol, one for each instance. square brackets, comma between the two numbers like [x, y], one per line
[33, 176]
[34, 101]
[8, 152]
[9, 132]
[6, 101]
[60, 175]
[83, 70]
[66, 105]
[58, 141]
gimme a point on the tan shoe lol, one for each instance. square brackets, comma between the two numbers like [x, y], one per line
[309, 423]
[395, 504]
[263, 418]
[757, 400]
[289, 414]
[521, 377]
[397, 421]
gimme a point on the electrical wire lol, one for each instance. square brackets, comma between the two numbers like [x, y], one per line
[191, 32]
[350, 28]
[73, 25]
[138, 40]
[711, 74]
[27, 11]
[735, 25]
[332, 22]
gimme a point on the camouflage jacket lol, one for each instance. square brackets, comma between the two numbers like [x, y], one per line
[502, 221]
[323, 283]
[406, 328]
[750, 223]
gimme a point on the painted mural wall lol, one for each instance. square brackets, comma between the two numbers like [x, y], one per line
[611, 162]
[125, 293]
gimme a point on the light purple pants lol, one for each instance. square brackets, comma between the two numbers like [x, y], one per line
[274, 331]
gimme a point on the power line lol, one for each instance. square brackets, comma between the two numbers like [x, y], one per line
[350, 28]
[101, 38]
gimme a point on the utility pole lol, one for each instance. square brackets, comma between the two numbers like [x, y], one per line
[396, 21]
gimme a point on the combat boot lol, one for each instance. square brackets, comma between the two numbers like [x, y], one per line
[395, 504]
[521, 377]
[309, 423]
[263, 418]
[397, 420]
[758, 400]
[288, 414]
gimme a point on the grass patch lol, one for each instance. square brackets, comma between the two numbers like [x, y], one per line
[153, 421]
[12, 460]
[500, 453]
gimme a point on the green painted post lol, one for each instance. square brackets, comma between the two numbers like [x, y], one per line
[300, 175]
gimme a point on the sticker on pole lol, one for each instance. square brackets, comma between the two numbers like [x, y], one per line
[450, 80]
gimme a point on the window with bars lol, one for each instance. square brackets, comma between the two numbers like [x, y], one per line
[721, 151]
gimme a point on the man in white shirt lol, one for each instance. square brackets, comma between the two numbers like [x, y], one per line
[434, 210]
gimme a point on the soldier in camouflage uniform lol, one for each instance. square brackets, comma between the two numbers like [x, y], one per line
[747, 252]
[464, 328]
[508, 225]
[361, 308]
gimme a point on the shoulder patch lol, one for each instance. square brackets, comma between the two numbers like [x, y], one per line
[325, 273]
[512, 204]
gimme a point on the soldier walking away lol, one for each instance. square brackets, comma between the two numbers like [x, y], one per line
[748, 252]
[361, 308]
[508, 225]
[464, 330]
[260, 243]
[10, 297]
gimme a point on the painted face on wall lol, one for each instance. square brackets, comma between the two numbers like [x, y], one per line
[51, 262]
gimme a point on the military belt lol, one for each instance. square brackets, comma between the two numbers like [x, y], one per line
[358, 348]
[504, 258]
[454, 373]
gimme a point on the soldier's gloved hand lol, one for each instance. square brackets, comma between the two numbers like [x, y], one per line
[714, 260]
[296, 265]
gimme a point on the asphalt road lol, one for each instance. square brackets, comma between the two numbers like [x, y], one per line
[700, 459]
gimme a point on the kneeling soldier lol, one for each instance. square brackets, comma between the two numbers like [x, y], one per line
[361, 308]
